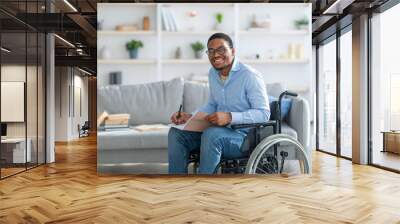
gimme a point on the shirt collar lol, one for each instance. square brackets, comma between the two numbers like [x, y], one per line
[235, 65]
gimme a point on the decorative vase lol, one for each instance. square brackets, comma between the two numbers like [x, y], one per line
[105, 53]
[198, 54]
[178, 53]
[218, 26]
[133, 53]
[303, 27]
[146, 23]
[100, 24]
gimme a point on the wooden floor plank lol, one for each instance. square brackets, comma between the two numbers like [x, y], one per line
[70, 191]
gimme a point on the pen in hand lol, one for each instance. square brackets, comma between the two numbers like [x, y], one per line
[179, 112]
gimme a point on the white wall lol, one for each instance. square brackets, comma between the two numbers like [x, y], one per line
[68, 83]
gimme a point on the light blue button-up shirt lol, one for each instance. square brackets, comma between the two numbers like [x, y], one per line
[243, 94]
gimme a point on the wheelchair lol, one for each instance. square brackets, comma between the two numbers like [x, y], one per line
[84, 129]
[267, 150]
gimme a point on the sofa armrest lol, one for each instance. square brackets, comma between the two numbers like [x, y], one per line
[299, 120]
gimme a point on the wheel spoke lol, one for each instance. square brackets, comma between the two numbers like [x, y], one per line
[262, 170]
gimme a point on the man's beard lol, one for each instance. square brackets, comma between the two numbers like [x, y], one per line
[221, 68]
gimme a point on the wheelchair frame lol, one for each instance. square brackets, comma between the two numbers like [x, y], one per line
[258, 147]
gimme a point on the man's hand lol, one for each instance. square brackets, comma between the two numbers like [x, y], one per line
[219, 118]
[182, 119]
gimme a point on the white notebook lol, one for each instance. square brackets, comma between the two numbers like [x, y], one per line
[196, 123]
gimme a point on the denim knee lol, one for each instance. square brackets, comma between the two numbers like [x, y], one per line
[173, 134]
[210, 138]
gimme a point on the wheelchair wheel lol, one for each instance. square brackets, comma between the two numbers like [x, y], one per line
[279, 153]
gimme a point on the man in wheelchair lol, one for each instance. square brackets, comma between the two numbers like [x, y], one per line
[237, 96]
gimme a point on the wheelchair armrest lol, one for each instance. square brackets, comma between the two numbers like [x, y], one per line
[254, 125]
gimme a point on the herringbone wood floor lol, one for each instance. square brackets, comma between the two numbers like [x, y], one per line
[70, 191]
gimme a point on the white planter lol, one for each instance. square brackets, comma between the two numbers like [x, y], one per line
[105, 53]
[218, 26]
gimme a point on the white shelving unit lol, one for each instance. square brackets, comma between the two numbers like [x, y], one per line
[126, 61]
[118, 33]
[156, 59]
[185, 61]
[275, 61]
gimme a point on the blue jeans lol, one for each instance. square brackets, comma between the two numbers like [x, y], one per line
[214, 143]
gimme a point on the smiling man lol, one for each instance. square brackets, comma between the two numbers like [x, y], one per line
[237, 96]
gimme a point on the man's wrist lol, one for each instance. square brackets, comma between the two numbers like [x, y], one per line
[230, 117]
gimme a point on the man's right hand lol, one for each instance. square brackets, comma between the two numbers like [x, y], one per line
[182, 119]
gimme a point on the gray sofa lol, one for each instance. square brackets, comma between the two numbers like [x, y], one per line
[132, 151]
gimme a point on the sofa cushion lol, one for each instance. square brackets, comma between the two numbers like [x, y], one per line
[195, 95]
[132, 139]
[148, 103]
[286, 129]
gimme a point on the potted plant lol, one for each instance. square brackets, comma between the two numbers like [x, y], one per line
[198, 48]
[133, 48]
[218, 17]
[301, 24]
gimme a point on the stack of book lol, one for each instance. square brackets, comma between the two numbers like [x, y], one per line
[117, 121]
[168, 20]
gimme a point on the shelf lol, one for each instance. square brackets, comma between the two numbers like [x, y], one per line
[185, 61]
[283, 32]
[206, 32]
[126, 61]
[128, 4]
[274, 61]
[199, 4]
[137, 32]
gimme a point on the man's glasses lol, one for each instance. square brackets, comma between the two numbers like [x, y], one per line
[220, 51]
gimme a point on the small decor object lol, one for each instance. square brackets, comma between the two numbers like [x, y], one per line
[192, 16]
[263, 24]
[301, 24]
[254, 23]
[219, 17]
[133, 48]
[299, 51]
[198, 48]
[115, 78]
[146, 23]
[291, 51]
[270, 54]
[105, 53]
[132, 27]
[100, 24]
[178, 53]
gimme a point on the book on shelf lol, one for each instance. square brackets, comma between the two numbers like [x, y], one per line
[116, 126]
[172, 21]
[164, 19]
[118, 116]
[168, 20]
[116, 122]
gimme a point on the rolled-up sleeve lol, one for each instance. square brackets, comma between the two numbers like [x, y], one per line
[259, 105]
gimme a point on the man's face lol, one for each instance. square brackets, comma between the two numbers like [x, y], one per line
[220, 54]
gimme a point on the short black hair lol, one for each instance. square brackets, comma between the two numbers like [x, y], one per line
[221, 36]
